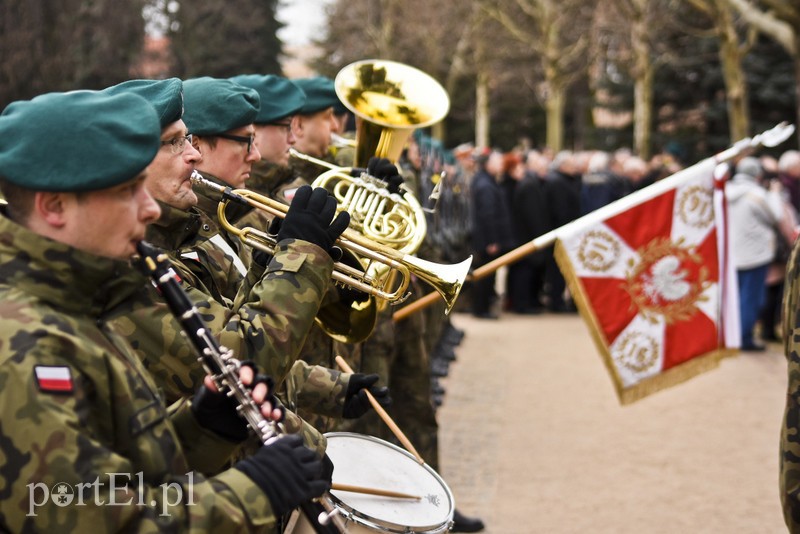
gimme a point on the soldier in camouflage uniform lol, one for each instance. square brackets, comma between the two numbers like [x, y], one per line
[251, 324]
[309, 111]
[790, 432]
[80, 418]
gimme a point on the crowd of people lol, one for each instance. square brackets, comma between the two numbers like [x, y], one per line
[510, 198]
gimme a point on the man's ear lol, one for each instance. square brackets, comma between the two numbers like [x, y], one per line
[196, 144]
[50, 207]
[298, 124]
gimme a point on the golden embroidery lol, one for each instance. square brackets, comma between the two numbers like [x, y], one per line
[598, 251]
[695, 207]
[668, 281]
[636, 351]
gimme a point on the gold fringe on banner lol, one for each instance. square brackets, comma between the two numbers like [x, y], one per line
[647, 386]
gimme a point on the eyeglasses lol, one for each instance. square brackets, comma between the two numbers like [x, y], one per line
[177, 144]
[282, 124]
[240, 139]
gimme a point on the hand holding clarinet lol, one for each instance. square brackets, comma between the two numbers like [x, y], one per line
[235, 400]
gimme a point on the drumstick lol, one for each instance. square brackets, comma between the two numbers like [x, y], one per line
[373, 491]
[385, 416]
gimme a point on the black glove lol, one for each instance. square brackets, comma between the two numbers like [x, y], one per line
[356, 402]
[309, 218]
[217, 411]
[327, 469]
[287, 472]
[385, 170]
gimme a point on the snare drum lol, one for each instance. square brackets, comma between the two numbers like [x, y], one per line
[366, 461]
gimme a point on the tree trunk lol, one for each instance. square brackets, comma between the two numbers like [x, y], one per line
[482, 113]
[554, 107]
[735, 82]
[643, 86]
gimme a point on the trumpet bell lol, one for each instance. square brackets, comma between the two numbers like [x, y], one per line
[447, 280]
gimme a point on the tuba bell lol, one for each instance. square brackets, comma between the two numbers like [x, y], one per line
[390, 100]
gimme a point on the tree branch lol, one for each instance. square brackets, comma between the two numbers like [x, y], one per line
[767, 23]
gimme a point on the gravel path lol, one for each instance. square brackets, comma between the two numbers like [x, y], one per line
[533, 438]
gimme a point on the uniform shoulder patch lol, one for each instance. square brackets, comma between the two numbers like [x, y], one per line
[53, 378]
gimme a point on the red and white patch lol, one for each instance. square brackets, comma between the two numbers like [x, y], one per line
[57, 379]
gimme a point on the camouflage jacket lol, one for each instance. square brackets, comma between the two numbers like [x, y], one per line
[266, 178]
[238, 257]
[87, 441]
[790, 431]
[317, 391]
[267, 320]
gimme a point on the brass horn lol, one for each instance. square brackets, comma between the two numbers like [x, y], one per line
[446, 279]
[390, 100]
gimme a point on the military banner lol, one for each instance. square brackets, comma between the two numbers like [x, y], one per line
[651, 278]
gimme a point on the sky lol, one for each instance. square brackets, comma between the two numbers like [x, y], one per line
[304, 19]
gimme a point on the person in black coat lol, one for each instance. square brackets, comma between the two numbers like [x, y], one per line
[530, 219]
[563, 194]
[491, 228]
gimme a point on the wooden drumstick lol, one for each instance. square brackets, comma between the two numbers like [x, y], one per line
[385, 416]
[373, 491]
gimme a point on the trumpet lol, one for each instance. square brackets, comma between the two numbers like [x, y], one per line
[448, 280]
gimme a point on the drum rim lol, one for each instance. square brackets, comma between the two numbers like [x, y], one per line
[388, 526]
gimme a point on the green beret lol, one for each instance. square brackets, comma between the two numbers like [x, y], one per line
[320, 94]
[280, 97]
[215, 106]
[164, 95]
[77, 141]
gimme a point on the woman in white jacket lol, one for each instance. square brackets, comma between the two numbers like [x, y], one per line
[753, 213]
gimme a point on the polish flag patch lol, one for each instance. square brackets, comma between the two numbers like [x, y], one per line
[54, 379]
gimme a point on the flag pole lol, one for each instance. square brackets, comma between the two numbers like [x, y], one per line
[768, 138]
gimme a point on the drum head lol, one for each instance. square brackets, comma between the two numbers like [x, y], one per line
[361, 460]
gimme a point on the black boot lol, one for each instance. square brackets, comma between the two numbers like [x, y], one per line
[439, 368]
[462, 523]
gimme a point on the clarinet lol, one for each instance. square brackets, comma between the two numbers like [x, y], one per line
[220, 363]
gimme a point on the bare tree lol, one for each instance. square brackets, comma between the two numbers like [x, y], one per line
[780, 20]
[58, 45]
[551, 32]
[732, 50]
[223, 38]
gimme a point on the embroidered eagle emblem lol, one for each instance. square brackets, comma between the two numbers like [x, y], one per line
[667, 281]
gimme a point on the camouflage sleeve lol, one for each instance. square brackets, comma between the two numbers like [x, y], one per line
[204, 450]
[58, 474]
[312, 438]
[790, 430]
[269, 323]
[275, 315]
[317, 389]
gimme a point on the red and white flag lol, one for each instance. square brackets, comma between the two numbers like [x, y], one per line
[53, 378]
[650, 276]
